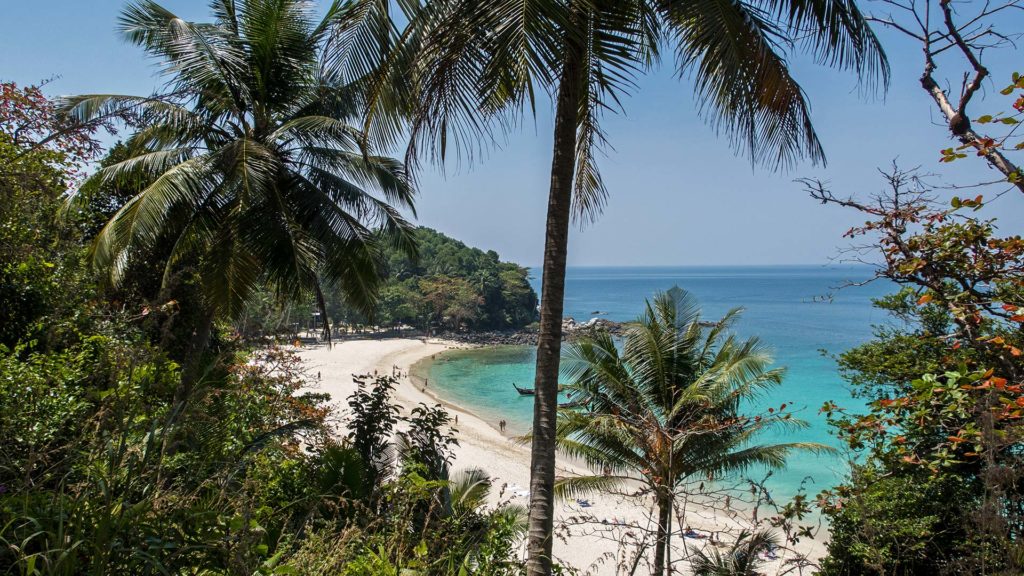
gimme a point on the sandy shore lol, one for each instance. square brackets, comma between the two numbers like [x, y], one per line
[597, 539]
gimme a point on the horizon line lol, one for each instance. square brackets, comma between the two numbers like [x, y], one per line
[774, 265]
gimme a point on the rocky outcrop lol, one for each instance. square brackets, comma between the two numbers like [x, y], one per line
[571, 330]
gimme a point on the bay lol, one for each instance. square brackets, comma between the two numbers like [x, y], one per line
[798, 311]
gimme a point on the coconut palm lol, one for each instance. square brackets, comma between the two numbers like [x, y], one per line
[667, 408]
[743, 558]
[470, 491]
[257, 174]
[503, 526]
[465, 71]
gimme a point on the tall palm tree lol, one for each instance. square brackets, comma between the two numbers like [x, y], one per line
[667, 408]
[257, 172]
[465, 71]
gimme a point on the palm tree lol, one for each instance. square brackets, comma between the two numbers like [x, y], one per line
[464, 71]
[506, 523]
[667, 407]
[255, 171]
[742, 558]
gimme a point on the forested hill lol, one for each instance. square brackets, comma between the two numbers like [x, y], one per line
[453, 286]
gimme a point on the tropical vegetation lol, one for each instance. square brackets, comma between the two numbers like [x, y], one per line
[742, 558]
[105, 468]
[139, 436]
[446, 286]
[936, 485]
[144, 432]
[460, 73]
[668, 406]
[253, 173]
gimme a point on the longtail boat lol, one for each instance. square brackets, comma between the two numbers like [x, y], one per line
[523, 391]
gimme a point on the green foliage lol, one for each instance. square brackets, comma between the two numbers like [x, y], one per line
[41, 399]
[40, 159]
[250, 166]
[100, 475]
[448, 285]
[131, 486]
[666, 406]
[937, 486]
[429, 441]
[109, 465]
[741, 559]
[909, 523]
[372, 424]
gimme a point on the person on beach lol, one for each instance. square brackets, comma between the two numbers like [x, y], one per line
[501, 426]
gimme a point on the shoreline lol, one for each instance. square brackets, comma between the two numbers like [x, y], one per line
[587, 537]
[420, 369]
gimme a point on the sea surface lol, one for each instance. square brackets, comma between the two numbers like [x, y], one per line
[804, 313]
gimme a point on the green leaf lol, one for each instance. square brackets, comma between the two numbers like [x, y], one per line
[1009, 121]
[985, 119]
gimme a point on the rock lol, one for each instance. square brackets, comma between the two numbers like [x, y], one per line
[571, 330]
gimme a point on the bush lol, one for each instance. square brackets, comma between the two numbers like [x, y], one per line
[910, 523]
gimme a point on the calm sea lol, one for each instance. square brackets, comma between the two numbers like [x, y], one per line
[799, 311]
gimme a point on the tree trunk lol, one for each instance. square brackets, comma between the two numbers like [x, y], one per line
[664, 529]
[549, 341]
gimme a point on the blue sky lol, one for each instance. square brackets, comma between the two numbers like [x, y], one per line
[679, 196]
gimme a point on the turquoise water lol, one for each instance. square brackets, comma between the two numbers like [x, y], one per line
[784, 307]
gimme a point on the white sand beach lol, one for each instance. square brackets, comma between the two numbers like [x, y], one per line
[595, 539]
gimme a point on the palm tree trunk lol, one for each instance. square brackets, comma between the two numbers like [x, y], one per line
[664, 530]
[549, 341]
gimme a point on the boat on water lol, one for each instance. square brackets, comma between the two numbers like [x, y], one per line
[524, 391]
[561, 387]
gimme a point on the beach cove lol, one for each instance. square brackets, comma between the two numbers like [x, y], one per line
[800, 312]
[593, 536]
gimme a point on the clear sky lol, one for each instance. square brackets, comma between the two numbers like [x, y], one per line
[679, 196]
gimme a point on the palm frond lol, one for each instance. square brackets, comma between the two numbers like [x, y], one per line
[255, 171]
[469, 489]
[735, 53]
[576, 486]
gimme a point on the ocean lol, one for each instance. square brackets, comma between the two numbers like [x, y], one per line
[805, 314]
